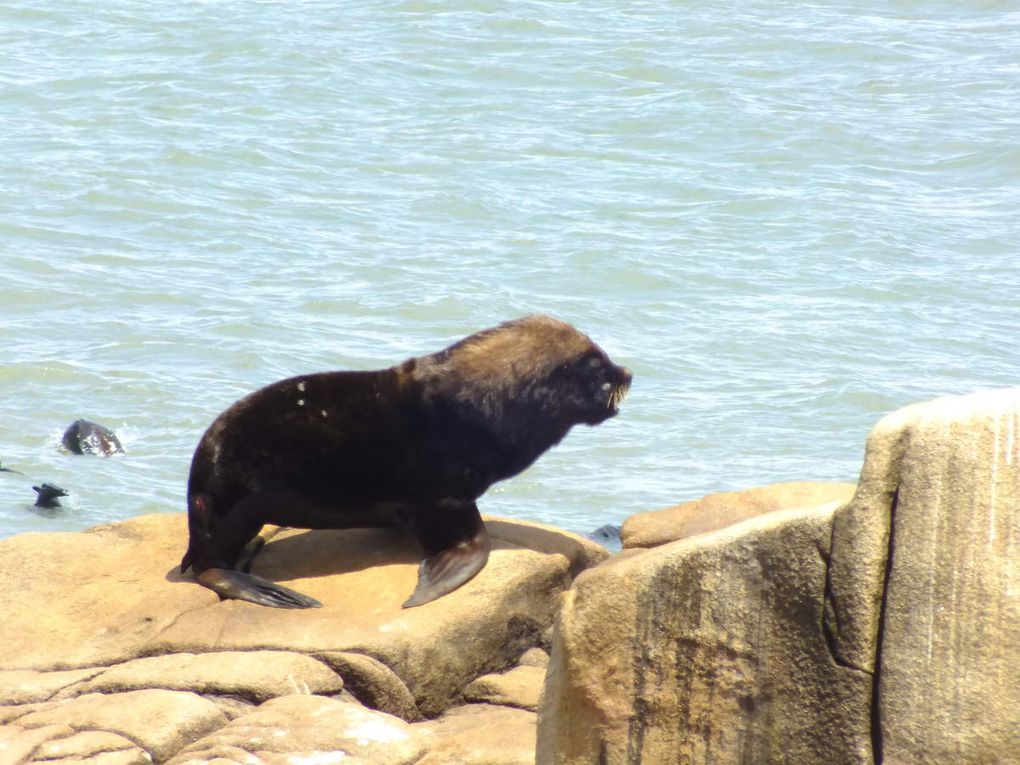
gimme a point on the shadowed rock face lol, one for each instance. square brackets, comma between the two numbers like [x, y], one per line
[886, 629]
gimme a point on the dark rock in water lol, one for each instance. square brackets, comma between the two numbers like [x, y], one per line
[9, 470]
[86, 437]
[48, 495]
[608, 536]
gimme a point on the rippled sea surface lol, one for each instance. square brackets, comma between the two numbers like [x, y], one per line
[788, 219]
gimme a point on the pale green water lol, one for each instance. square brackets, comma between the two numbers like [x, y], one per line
[788, 219]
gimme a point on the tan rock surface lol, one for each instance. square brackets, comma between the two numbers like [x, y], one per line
[19, 744]
[925, 580]
[706, 650]
[534, 657]
[93, 747]
[26, 686]
[310, 729]
[102, 642]
[480, 734]
[160, 722]
[519, 687]
[113, 594]
[255, 676]
[73, 600]
[716, 511]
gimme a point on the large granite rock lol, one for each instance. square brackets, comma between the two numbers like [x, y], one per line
[88, 621]
[705, 650]
[717, 511]
[924, 584]
[886, 629]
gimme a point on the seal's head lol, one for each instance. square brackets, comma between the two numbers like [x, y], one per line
[48, 495]
[536, 370]
[87, 437]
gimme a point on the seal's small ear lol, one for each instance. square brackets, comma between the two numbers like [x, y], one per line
[457, 547]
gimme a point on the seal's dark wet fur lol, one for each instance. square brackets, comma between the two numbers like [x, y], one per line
[87, 437]
[412, 446]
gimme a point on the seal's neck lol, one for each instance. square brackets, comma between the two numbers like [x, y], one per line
[515, 414]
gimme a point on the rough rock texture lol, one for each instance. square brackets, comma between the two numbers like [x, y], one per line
[57, 744]
[310, 729]
[534, 657]
[519, 687]
[924, 589]
[322, 731]
[255, 676]
[92, 624]
[717, 511]
[160, 722]
[27, 686]
[374, 684]
[706, 650]
[886, 629]
[480, 734]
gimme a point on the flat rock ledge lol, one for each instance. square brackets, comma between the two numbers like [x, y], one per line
[108, 656]
[717, 511]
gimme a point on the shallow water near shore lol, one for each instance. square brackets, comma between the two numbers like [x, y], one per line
[787, 220]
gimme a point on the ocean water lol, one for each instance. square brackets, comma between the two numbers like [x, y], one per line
[788, 219]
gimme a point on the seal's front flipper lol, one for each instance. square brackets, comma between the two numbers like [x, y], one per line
[231, 584]
[456, 548]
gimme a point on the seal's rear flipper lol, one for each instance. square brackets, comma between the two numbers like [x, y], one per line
[456, 548]
[231, 584]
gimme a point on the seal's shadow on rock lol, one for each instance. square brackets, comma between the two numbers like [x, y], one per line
[305, 554]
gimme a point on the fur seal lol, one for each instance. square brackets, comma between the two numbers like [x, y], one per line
[411, 446]
[86, 437]
[48, 495]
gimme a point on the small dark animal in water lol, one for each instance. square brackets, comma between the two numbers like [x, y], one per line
[608, 536]
[411, 446]
[48, 495]
[9, 470]
[86, 437]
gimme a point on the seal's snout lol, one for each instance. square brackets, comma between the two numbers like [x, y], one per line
[626, 377]
[618, 391]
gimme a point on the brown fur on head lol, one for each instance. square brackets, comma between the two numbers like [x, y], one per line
[507, 357]
[535, 373]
